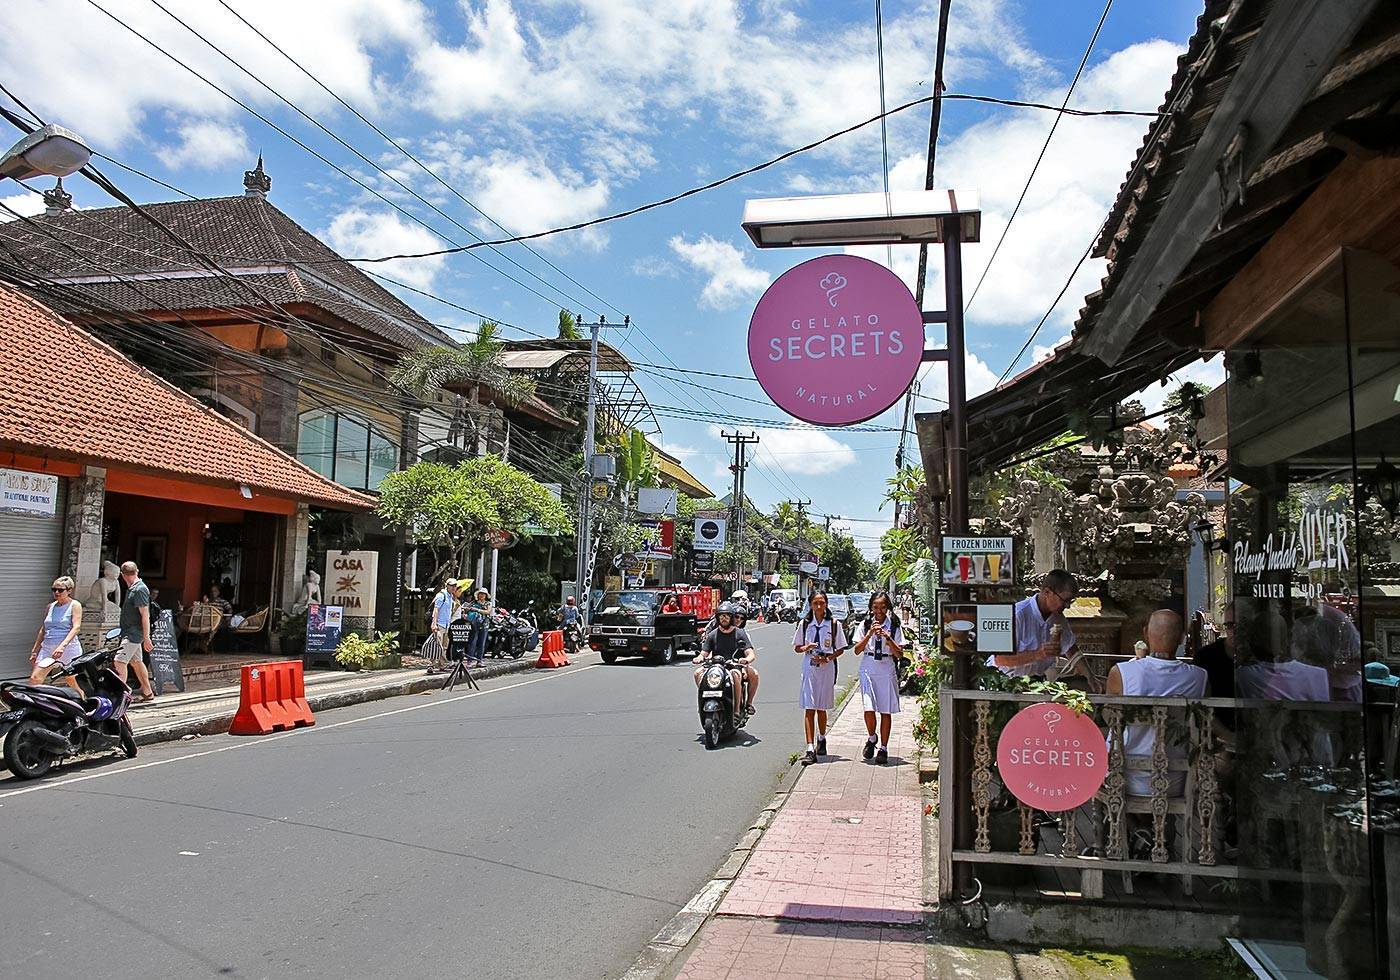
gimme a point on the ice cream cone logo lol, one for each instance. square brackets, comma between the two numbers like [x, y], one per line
[1053, 718]
[832, 283]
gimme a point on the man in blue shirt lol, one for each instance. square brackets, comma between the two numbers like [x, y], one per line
[1042, 634]
[443, 605]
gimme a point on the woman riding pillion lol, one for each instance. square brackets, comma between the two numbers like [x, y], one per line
[728, 642]
[879, 642]
[820, 640]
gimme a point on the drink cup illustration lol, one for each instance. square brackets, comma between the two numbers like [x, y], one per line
[964, 566]
[961, 633]
[994, 567]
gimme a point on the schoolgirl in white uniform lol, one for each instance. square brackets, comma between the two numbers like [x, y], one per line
[879, 642]
[820, 640]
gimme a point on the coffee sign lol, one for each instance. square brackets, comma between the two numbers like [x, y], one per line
[982, 627]
[836, 340]
[1051, 758]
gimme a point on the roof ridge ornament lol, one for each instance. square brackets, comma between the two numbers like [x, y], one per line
[57, 200]
[256, 183]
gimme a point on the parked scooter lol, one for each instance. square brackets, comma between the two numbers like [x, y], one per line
[49, 723]
[512, 634]
[721, 711]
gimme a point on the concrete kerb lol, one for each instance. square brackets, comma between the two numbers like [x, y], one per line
[658, 956]
[216, 723]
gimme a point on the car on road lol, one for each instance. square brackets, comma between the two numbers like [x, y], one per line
[860, 608]
[633, 623]
[839, 606]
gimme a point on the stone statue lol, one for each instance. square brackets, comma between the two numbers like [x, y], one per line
[310, 591]
[103, 596]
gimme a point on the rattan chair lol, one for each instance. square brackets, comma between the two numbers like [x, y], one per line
[199, 623]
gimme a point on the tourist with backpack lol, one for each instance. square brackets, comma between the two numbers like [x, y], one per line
[879, 642]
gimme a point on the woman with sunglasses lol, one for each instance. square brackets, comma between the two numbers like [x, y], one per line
[57, 642]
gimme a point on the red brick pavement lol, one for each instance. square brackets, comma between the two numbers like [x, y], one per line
[834, 888]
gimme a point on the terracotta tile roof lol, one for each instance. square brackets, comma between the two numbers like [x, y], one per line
[64, 400]
[266, 249]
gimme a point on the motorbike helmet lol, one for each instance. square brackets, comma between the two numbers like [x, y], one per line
[103, 710]
[726, 608]
[740, 595]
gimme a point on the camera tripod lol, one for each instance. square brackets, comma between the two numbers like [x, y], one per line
[459, 673]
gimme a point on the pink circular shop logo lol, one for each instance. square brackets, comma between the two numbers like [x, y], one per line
[1052, 759]
[836, 340]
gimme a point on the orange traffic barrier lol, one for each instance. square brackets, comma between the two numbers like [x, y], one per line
[271, 697]
[552, 650]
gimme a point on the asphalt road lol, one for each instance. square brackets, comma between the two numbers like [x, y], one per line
[547, 826]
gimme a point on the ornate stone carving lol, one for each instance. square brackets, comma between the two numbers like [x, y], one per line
[1114, 782]
[1159, 781]
[1207, 787]
[1027, 844]
[982, 777]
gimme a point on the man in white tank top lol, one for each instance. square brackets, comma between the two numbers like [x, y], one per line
[1157, 675]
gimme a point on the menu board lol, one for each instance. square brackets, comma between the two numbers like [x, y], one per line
[458, 636]
[977, 561]
[968, 627]
[165, 655]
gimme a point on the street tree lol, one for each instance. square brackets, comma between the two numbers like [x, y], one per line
[447, 509]
[568, 326]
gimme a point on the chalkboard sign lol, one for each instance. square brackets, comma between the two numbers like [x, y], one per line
[323, 626]
[458, 636]
[165, 655]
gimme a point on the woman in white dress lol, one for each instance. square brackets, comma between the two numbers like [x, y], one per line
[820, 640]
[57, 641]
[879, 642]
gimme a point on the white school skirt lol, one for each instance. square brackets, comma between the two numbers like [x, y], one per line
[818, 684]
[879, 685]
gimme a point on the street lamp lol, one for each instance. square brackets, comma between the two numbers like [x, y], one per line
[901, 218]
[50, 150]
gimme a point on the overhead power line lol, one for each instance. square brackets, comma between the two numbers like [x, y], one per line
[1040, 156]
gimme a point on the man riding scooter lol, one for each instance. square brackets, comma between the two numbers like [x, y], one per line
[728, 642]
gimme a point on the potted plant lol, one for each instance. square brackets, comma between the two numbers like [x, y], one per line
[379, 652]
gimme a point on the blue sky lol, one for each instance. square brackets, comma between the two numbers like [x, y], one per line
[550, 112]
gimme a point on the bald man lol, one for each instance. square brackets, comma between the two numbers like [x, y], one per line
[1157, 675]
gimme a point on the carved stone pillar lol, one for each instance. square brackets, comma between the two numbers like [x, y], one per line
[295, 530]
[82, 540]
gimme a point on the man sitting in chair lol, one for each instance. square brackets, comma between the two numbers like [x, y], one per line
[1157, 675]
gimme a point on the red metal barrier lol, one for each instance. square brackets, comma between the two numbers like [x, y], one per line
[552, 650]
[271, 697]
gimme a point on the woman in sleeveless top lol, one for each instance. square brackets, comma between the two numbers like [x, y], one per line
[57, 641]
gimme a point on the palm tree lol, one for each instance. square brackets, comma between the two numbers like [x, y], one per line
[636, 463]
[568, 326]
[475, 365]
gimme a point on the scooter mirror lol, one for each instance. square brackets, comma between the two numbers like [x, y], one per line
[113, 633]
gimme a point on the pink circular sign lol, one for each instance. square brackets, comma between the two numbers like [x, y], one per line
[1052, 759]
[836, 340]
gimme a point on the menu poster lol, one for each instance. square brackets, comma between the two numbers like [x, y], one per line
[323, 627]
[977, 561]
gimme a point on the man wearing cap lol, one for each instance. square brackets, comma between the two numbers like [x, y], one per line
[479, 615]
[443, 604]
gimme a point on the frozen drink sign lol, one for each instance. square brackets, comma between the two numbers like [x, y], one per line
[1052, 759]
[836, 340]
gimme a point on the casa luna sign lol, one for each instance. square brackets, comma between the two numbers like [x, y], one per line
[836, 340]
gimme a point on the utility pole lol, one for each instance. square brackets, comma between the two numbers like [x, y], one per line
[801, 506]
[584, 534]
[741, 443]
[829, 519]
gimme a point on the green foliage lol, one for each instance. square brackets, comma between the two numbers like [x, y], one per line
[900, 547]
[291, 634]
[450, 507]
[519, 583]
[474, 365]
[568, 326]
[847, 564]
[636, 461]
[359, 653]
[905, 487]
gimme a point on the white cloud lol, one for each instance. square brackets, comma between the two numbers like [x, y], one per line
[527, 195]
[1068, 200]
[1041, 351]
[96, 77]
[1209, 373]
[731, 278]
[208, 145]
[359, 233]
[681, 453]
[806, 452]
[933, 378]
[26, 204]
[654, 267]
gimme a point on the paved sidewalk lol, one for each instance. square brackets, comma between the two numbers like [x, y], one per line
[834, 887]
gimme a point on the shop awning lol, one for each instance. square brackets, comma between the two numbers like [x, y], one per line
[71, 397]
[1165, 260]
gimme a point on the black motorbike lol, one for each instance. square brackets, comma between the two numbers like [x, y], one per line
[721, 706]
[510, 635]
[48, 723]
[788, 614]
